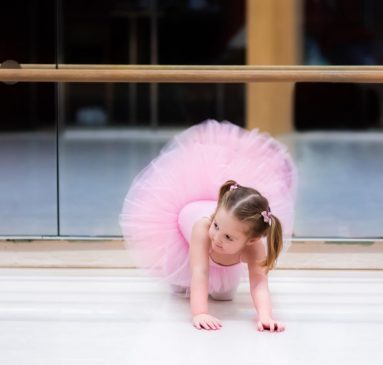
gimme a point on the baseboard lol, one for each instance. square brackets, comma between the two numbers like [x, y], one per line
[113, 254]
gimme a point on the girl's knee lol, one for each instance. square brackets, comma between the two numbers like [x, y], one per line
[180, 291]
[223, 295]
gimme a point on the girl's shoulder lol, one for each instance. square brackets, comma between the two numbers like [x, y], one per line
[204, 221]
[254, 253]
[201, 230]
[200, 244]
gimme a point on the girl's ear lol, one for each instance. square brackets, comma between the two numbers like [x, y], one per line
[251, 241]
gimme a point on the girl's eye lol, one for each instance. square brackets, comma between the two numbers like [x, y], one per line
[228, 237]
[215, 226]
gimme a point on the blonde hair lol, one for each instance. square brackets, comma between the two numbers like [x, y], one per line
[247, 205]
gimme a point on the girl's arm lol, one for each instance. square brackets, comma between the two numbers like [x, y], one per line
[199, 262]
[199, 265]
[259, 288]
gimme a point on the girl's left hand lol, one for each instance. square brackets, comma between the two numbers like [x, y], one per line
[270, 324]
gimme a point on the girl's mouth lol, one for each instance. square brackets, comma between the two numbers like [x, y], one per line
[218, 246]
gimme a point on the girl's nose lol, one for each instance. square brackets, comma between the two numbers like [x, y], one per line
[218, 239]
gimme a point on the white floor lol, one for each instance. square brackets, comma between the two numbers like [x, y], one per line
[74, 316]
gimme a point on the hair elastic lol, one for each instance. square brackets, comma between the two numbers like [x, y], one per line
[234, 186]
[266, 217]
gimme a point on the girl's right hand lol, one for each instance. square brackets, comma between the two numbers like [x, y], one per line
[206, 321]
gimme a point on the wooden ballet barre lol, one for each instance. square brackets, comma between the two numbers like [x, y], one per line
[191, 74]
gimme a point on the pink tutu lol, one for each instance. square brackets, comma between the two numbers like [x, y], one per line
[181, 185]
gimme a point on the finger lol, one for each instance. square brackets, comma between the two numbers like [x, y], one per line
[278, 326]
[204, 325]
[281, 327]
[214, 325]
[260, 326]
[265, 325]
[272, 326]
[219, 324]
[208, 325]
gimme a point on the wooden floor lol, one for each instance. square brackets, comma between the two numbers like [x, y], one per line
[104, 316]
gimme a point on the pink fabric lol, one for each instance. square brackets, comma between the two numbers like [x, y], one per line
[193, 211]
[154, 220]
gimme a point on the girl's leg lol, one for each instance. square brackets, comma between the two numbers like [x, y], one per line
[180, 291]
[226, 295]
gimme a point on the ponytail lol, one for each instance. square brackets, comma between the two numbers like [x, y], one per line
[224, 188]
[274, 243]
[222, 191]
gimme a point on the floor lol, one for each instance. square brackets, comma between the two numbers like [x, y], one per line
[339, 192]
[85, 316]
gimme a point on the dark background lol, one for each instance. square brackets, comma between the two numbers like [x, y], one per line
[336, 32]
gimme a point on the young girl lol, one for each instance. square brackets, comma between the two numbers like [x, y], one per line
[215, 205]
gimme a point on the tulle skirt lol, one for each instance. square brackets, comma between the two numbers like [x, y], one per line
[190, 168]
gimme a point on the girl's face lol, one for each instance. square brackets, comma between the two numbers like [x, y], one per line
[227, 233]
